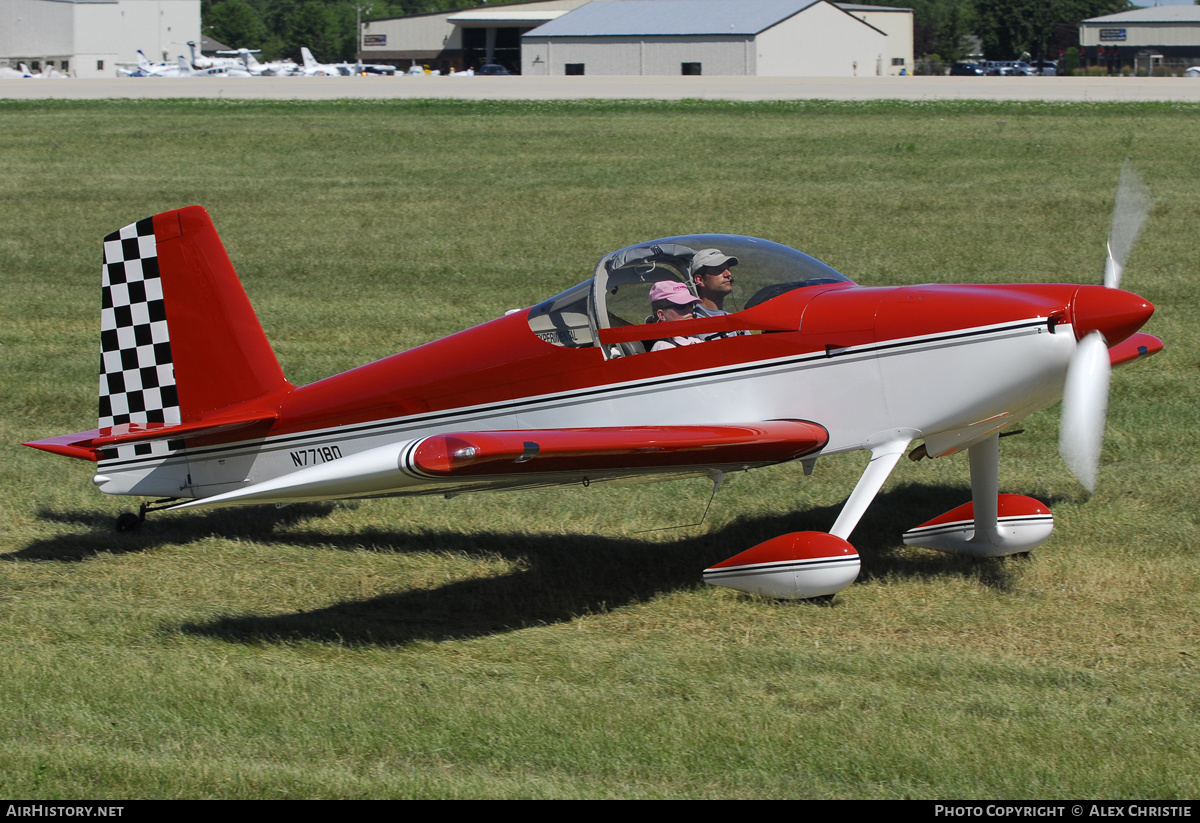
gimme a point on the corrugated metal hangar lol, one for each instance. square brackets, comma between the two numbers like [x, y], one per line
[795, 38]
[87, 38]
[1129, 38]
[769, 38]
[461, 39]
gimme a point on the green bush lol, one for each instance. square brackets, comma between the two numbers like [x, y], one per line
[1071, 61]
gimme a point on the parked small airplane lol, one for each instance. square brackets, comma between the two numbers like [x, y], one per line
[23, 71]
[276, 68]
[180, 68]
[145, 68]
[201, 61]
[47, 72]
[584, 387]
[372, 68]
[314, 69]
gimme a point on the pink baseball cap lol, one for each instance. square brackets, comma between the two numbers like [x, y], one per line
[672, 291]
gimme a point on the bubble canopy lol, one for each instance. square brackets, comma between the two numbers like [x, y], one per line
[618, 292]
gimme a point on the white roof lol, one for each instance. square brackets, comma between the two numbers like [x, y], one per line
[634, 18]
[503, 16]
[864, 8]
[1154, 14]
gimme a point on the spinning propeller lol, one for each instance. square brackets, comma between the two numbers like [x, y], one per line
[1085, 394]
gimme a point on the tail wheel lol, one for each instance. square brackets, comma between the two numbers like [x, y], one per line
[128, 521]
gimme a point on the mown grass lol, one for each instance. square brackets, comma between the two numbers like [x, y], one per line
[547, 644]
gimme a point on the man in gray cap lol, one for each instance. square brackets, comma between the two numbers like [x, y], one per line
[710, 269]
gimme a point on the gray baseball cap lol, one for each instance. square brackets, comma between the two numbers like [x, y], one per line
[710, 258]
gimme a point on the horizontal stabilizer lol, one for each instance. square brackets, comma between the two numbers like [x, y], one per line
[133, 433]
[68, 445]
[85, 445]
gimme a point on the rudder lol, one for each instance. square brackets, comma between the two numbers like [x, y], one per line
[179, 338]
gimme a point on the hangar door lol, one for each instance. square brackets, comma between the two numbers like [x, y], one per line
[505, 48]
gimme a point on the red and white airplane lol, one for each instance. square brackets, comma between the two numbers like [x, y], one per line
[195, 410]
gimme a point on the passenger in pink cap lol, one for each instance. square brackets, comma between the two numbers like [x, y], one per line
[671, 300]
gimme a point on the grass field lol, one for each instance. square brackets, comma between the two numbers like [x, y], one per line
[549, 644]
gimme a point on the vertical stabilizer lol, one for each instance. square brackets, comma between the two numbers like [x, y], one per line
[179, 339]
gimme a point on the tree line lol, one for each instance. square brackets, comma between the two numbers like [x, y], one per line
[942, 28]
[278, 28]
[1006, 29]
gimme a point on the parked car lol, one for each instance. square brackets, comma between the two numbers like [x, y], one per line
[494, 69]
[1045, 68]
[1194, 71]
[966, 69]
[1007, 68]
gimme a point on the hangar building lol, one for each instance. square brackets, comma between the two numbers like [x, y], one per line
[897, 24]
[486, 34]
[460, 39]
[86, 38]
[1172, 33]
[767, 38]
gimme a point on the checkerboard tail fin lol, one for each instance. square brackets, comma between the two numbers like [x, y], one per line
[179, 341]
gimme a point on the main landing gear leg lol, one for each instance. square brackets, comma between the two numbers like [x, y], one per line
[992, 524]
[985, 492]
[886, 449]
[814, 565]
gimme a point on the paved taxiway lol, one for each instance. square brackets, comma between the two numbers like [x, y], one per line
[1053, 89]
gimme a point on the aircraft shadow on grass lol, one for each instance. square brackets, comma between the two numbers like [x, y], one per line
[560, 577]
[249, 523]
